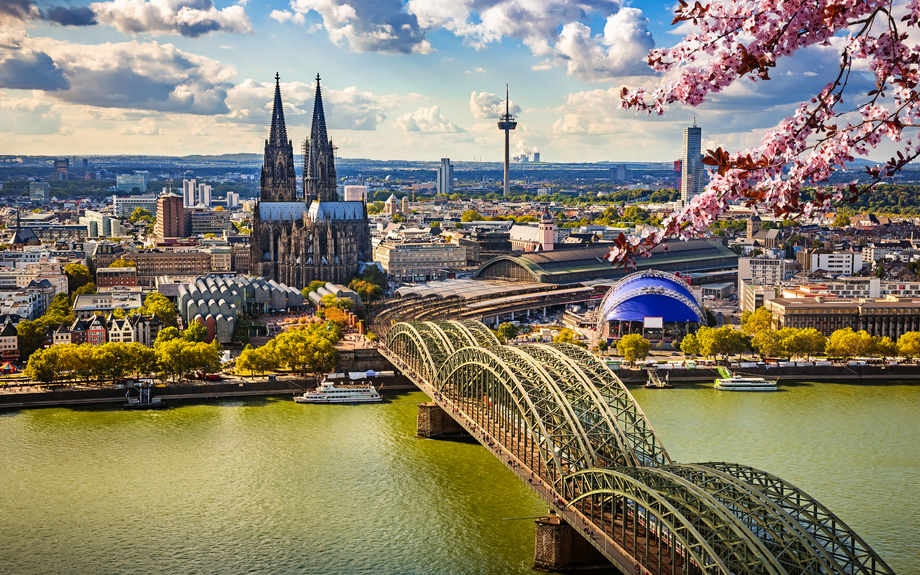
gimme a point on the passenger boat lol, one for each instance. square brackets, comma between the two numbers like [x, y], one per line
[731, 382]
[332, 392]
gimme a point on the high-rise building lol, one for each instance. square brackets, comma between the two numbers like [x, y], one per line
[204, 195]
[127, 182]
[188, 193]
[536, 157]
[692, 170]
[446, 177]
[171, 220]
[125, 206]
[233, 200]
[39, 192]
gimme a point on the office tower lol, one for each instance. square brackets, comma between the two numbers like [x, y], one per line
[204, 195]
[692, 171]
[188, 193]
[446, 177]
[171, 217]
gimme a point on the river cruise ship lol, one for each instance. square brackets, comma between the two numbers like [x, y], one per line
[731, 382]
[340, 392]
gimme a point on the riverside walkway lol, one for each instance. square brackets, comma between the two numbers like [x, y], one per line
[565, 425]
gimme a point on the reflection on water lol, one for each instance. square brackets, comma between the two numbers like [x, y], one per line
[266, 485]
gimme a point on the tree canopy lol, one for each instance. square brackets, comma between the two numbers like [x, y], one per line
[633, 347]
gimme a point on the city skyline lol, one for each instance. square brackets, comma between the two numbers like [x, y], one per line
[417, 80]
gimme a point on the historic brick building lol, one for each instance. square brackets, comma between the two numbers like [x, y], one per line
[298, 238]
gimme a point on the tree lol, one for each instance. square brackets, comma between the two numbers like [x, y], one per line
[711, 320]
[690, 345]
[909, 345]
[77, 276]
[470, 216]
[43, 365]
[841, 220]
[602, 345]
[123, 263]
[399, 218]
[633, 347]
[722, 341]
[884, 347]
[508, 331]
[219, 209]
[195, 332]
[568, 336]
[140, 214]
[803, 342]
[156, 303]
[315, 285]
[87, 289]
[737, 38]
[760, 320]
[166, 334]
[847, 343]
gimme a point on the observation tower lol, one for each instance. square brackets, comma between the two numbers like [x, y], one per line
[506, 123]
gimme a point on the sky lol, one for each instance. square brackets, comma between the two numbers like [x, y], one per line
[412, 80]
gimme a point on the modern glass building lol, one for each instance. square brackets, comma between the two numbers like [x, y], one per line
[692, 171]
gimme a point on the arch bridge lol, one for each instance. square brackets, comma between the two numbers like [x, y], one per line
[564, 422]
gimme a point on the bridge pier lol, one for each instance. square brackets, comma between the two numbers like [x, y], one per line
[559, 547]
[435, 422]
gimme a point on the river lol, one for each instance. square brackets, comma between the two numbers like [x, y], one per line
[269, 486]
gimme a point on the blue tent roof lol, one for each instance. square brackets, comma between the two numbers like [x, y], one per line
[640, 295]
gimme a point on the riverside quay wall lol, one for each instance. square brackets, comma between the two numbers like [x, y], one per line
[867, 373]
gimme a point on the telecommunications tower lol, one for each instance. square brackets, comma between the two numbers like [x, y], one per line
[506, 123]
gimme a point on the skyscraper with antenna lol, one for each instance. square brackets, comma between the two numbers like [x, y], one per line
[507, 123]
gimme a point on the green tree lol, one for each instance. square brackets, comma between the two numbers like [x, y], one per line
[909, 345]
[140, 214]
[156, 303]
[399, 218]
[847, 343]
[566, 335]
[803, 342]
[142, 360]
[315, 285]
[769, 343]
[690, 346]
[87, 289]
[166, 334]
[722, 341]
[602, 345]
[509, 331]
[633, 347]
[195, 332]
[841, 220]
[760, 320]
[884, 347]
[470, 216]
[31, 335]
[43, 365]
[123, 263]
[77, 276]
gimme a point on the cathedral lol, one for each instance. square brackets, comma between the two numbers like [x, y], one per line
[299, 238]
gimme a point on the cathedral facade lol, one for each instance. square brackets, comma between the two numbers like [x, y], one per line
[298, 238]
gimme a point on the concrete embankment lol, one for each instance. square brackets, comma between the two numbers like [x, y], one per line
[865, 373]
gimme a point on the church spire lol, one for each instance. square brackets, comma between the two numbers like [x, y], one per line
[318, 132]
[278, 136]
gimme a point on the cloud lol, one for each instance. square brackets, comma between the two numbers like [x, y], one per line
[146, 127]
[621, 51]
[68, 16]
[476, 71]
[31, 70]
[427, 120]
[133, 75]
[368, 25]
[285, 15]
[190, 18]
[15, 11]
[28, 116]
[488, 105]
[250, 102]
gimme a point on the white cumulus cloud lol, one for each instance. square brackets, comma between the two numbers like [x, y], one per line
[427, 120]
[191, 18]
[487, 105]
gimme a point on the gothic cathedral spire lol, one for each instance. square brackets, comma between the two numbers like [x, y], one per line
[279, 180]
[319, 160]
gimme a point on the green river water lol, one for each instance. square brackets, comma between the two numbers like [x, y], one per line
[270, 486]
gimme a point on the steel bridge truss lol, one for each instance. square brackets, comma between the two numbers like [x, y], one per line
[569, 419]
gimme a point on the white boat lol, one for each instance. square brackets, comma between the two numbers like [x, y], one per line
[340, 392]
[731, 382]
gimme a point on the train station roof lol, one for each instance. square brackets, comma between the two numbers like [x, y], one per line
[466, 288]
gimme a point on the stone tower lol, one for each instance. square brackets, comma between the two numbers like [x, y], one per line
[279, 180]
[754, 225]
[547, 232]
[319, 178]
